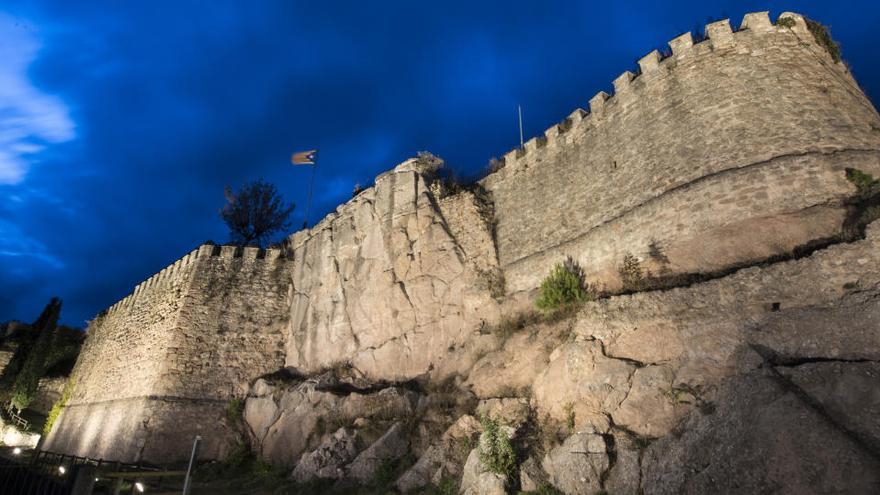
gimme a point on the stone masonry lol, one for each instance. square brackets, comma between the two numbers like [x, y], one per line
[161, 365]
[723, 154]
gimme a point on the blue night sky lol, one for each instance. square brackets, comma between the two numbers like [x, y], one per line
[121, 122]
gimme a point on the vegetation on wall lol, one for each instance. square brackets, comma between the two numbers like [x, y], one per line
[59, 405]
[564, 286]
[631, 274]
[35, 365]
[823, 38]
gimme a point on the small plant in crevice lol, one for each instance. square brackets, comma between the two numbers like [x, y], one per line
[569, 416]
[632, 276]
[496, 450]
[864, 206]
[866, 184]
[684, 393]
[823, 38]
[564, 287]
[234, 411]
[786, 22]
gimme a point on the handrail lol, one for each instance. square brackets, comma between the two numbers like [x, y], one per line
[14, 416]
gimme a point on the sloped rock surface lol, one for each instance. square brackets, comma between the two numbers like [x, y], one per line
[328, 461]
[763, 437]
[391, 446]
[390, 286]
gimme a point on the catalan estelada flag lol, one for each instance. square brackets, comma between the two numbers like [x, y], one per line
[304, 157]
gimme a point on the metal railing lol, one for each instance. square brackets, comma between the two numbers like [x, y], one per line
[49, 473]
[17, 420]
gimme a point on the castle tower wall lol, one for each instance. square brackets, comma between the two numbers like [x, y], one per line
[160, 366]
[727, 151]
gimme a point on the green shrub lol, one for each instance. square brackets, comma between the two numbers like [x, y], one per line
[631, 274]
[234, 411]
[564, 287]
[865, 183]
[786, 22]
[496, 451]
[824, 39]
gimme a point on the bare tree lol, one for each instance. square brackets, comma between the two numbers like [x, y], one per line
[255, 212]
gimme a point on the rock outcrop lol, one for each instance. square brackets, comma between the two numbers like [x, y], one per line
[394, 283]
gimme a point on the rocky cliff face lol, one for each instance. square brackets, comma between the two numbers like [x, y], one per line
[394, 282]
[749, 383]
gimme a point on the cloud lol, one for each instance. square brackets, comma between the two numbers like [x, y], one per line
[30, 120]
[16, 244]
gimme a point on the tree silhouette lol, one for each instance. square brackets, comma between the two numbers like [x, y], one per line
[254, 213]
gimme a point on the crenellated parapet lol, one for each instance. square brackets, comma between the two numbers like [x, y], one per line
[719, 36]
[177, 271]
[694, 138]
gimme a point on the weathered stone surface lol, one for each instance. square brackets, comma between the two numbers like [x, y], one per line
[848, 392]
[393, 445]
[624, 477]
[291, 418]
[477, 480]
[531, 475]
[329, 459]
[387, 285]
[443, 458]
[578, 464]
[512, 368]
[653, 404]
[762, 437]
[580, 379]
[512, 412]
[48, 392]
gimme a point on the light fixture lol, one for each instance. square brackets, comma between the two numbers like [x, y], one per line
[139, 486]
[16, 450]
[61, 469]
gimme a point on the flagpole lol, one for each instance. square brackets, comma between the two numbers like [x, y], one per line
[519, 109]
[311, 188]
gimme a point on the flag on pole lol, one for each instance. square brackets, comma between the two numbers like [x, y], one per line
[304, 157]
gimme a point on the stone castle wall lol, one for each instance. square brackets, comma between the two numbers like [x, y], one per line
[746, 132]
[160, 366]
[728, 151]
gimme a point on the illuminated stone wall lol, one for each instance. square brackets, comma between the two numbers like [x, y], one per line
[724, 152]
[161, 365]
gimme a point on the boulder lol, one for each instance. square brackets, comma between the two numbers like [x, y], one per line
[442, 459]
[329, 459]
[653, 404]
[531, 476]
[577, 466]
[509, 411]
[393, 445]
[477, 480]
[581, 380]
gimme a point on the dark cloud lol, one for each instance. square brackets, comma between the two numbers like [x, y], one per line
[170, 101]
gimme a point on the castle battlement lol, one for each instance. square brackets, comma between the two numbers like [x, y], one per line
[717, 155]
[177, 271]
[718, 36]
